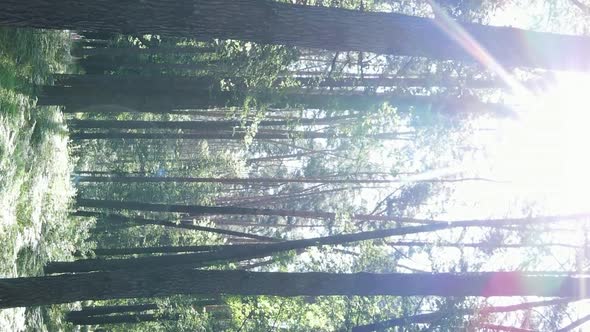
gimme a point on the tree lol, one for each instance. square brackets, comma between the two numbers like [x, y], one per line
[112, 221]
[168, 94]
[201, 210]
[237, 253]
[250, 181]
[195, 125]
[71, 84]
[116, 314]
[435, 316]
[575, 324]
[34, 291]
[136, 51]
[117, 309]
[159, 249]
[99, 65]
[120, 319]
[306, 26]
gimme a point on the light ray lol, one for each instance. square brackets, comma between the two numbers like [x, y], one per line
[475, 49]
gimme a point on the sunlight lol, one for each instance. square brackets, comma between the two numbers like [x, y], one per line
[545, 151]
[472, 46]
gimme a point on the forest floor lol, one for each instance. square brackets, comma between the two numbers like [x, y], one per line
[35, 166]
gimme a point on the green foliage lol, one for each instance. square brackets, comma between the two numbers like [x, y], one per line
[259, 74]
[256, 83]
[35, 188]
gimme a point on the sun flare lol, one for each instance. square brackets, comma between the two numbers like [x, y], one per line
[546, 149]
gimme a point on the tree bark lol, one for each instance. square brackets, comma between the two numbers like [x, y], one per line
[166, 97]
[270, 22]
[136, 221]
[155, 250]
[108, 81]
[131, 82]
[135, 51]
[245, 181]
[425, 82]
[34, 291]
[100, 65]
[96, 44]
[200, 210]
[194, 125]
[228, 135]
[88, 100]
[120, 319]
[116, 309]
[97, 35]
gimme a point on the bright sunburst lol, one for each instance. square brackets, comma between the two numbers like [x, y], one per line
[545, 150]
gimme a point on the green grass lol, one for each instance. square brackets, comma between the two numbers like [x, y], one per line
[35, 186]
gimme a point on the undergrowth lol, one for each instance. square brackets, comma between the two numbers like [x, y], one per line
[35, 187]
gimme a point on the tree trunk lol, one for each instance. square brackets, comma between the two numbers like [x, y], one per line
[131, 82]
[503, 328]
[200, 210]
[435, 316]
[270, 22]
[120, 319]
[230, 253]
[129, 222]
[107, 81]
[87, 100]
[575, 324]
[425, 82]
[97, 35]
[403, 321]
[479, 245]
[34, 291]
[108, 173]
[95, 44]
[238, 253]
[228, 135]
[155, 250]
[99, 65]
[136, 51]
[170, 94]
[245, 181]
[116, 309]
[285, 156]
[195, 125]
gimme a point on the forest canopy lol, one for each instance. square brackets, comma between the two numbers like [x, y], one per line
[256, 165]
